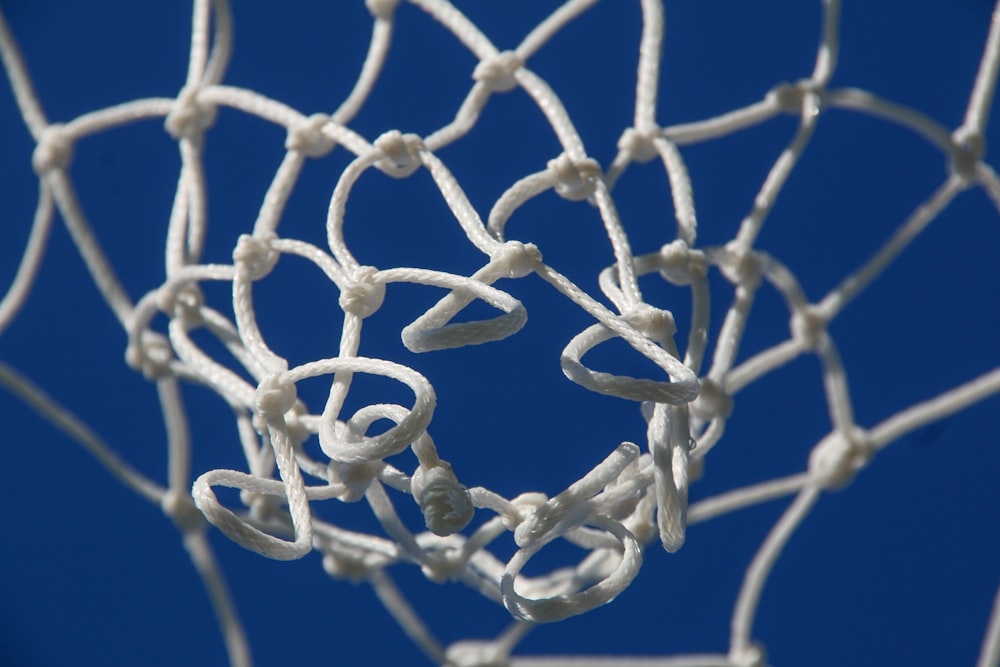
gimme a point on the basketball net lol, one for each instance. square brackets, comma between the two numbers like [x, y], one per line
[302, 458]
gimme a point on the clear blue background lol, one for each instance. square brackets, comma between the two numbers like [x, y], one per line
[900, 568]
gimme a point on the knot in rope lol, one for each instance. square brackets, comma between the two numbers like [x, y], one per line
[298, 432]
[476, 654]
[499, 73]
[654, 323]
[151, 355]
[740, 266]
[263, 508]
[275, 396]
[574, 506]
[402, 153]
[575, 180]
[307, 136]
[444, 565]
[638, 145]
[183, 304]
[182, 511]
[838, 456]
[681, 265]
[256, 254]
[381, 9]
[54, 150]
[352, 565]
[748, 656]
[519, 259]
[787, 96]
[967, 150]
[808, 327]
[796, 97]
[189, 118]
[712, 403]
[356, 477]
[363, 295]
[523, 507]
[444, 501]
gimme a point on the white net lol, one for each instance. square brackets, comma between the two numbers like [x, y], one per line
[315, 211]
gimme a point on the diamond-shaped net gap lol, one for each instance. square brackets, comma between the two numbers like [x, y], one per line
[759, 243]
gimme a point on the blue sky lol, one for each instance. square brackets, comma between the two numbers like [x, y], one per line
[899, 568]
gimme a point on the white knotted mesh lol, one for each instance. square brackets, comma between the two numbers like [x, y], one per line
[301, 455]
